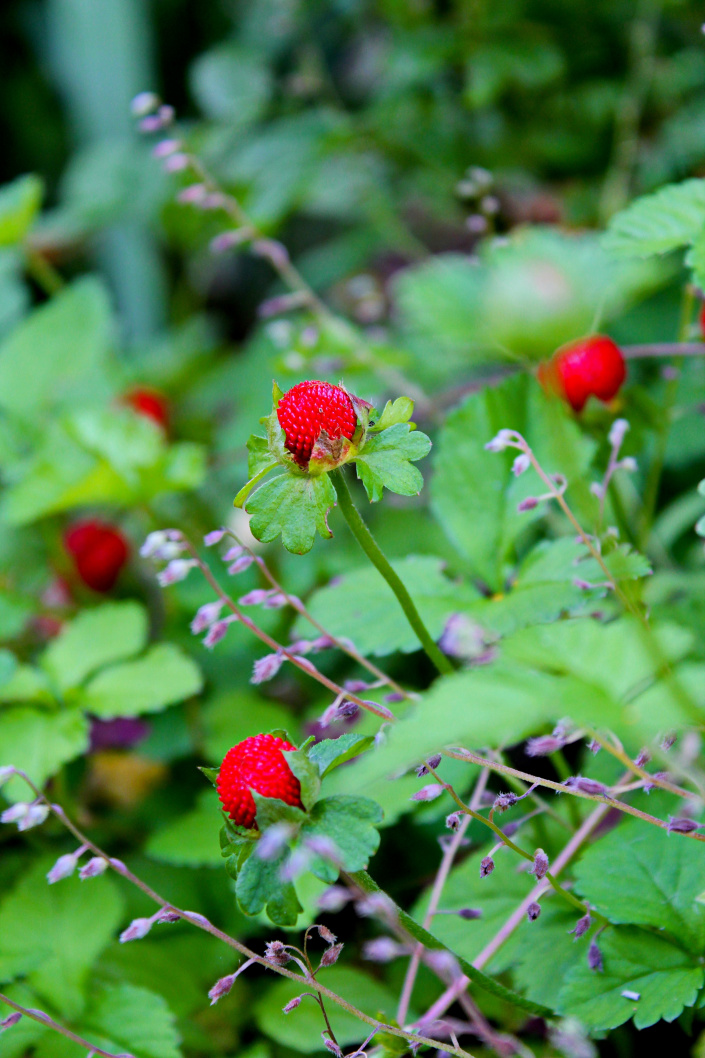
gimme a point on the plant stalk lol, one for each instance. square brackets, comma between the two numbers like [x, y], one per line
[371, 548]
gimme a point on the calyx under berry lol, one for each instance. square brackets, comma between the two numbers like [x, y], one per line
[316, 426]
[592, 366]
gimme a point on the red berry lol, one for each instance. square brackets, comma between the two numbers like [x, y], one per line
[701, 320]
[257, 764]
[591, 366]
[308, 409]
[151, 403]
[99, 552]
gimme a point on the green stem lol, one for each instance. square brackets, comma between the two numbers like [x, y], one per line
[363, 881]
[371, 548]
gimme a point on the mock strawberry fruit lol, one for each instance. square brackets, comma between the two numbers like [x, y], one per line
[99, 552]
[311, 409]
[150, 403]
[256, 764]
[589, 367]
[701, 320]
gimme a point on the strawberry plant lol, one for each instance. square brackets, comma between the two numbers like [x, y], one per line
[359, 714]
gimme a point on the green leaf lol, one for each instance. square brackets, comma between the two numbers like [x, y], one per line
[332, 752]
[38, 742]
[95, 638]
[362, 607]
[306, 771]
[27, 684]
[665, 978]
[302, 1032]
[666, 871]
[271, 810]
[52, 934]
[163, 676]
[60, 352]
[259, 455]
[473, 493]
[385, 461]
[295, 506]
[654, 224]
[135, 1019]
[259, 885]
[231, 84]
[398, 412]
[20, 202]
[192, 839]
[232, 716]
[349, 822]
[544, 952]
[695, 259]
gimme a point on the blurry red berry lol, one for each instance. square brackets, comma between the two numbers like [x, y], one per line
[149, 402]
[589, 367]
[701, 320]
[308, 409]
[99, 552]
[257, 764]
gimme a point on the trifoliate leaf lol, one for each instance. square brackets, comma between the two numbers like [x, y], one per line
[385, 461]
[664, 977]
[295, 506]
[657, 223]
[349, 824]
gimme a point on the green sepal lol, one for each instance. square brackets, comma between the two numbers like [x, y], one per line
[306, 771]
[235, 835]
[271, 810]
[384, 461]
[350, 824]
[398, 412]
[333, 752]
[295, 506]
[277, 393]
[210, 773]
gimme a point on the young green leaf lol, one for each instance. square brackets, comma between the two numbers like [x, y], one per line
[295, 506]
[333, 752]
[654, 224]
[398, 412]
[385, 461]
[19, 204]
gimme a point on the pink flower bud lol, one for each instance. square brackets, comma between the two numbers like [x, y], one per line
[15, 812]
[33, 817]
[218, 631]
[428, 793]
[95, 866]
[144, 103]
[521, 464]
[64, 866]
[334, 898]
[325, 934]
[528, 504]
[178, 569]
[215, 535]
[240, 565]
[167, 915]
[221, 988]
[274, 252]
[176, 163]
[166, 147]
[540, 865]
[276, 952]
[594, 957]
[486, 866]
[617, 431]
[206, 615]
[138, 928]
[292, 1005]
[256, 597]
[10, 1020]
[266, 668]
[331, 955]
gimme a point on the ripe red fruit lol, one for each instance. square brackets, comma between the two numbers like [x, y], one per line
[257, 764]
[701, 320]
[99, 552]
[310, 408]
[151, 403]
[590, 366]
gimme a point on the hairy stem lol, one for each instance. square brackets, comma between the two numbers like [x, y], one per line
[371, 548]
[44, 1019]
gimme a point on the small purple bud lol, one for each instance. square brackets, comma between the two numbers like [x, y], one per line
[594, 957]
[215, 200]
[543, 745]
[470, 913]
[266, 668]
[453, 820]
[382, 949]
[594, 747]
[240, 565]
[581, 926]
[178, 569]
[64, 866]
[486, 866]
[668, 741]
[192, 196]
[206, 615]
[33, 817]
[255, 598]
[393, 697]
[275, 601]
[347, 709]
[584, 585]
[588, 786]
[325, 934]
[643, 757]
[215, 535]
[331, 955]
[167, 915]
[276, 952]
[274, 252]
[292, 1005]
[218, 631]
[144, 103]
[540, 865]
[428, 793]
[138, 928]
[156, 540]
[521, 464]
[356, 686]
[502, 440]
[233, 552]
[221, 988]
[325, 643]
[681, 825]
[533, 911]
[15, 813]
[334, 898]
[166, 147]
[504, 801]
[324, 847]
[10, 1020]
[95, 866]
[528, 504]
[332, 1047]
[175, 163]
[227, 240]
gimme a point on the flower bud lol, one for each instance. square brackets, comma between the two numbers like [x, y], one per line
[453, 820]
[292, 1005]
[95, 866]
[334, 898]
[214, 537]
[221, 988]
[428, 793]
[64, 866]
[266, 668]
[240, 565]
[6, 772]
[504, 801]
[276, 952]
[533, 911]
[206, 615]
[582, 926]
[543, 745]
[218, 631]
[144, 103]
[594, 957]
[528, 504]
[138, 928]
[10, 1020]
[521, 464]
[681, 825]
[617, 431]
[33, 817]
[331, 955]
[382, 949]
[486, 866]
[178, 569]
[470, 914]
[540, 865]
